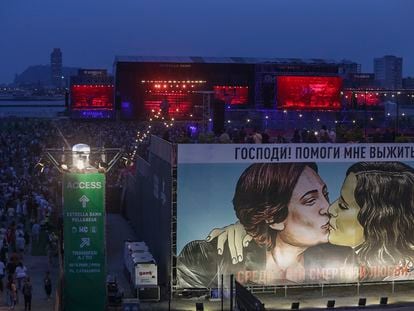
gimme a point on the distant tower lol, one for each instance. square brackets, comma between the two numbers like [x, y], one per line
[348, 68]
[56, 67]
[388, 71]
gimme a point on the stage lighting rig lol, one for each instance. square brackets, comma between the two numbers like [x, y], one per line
[81, 157]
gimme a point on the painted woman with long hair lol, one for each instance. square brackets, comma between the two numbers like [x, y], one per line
[284, 208]
[375, 216]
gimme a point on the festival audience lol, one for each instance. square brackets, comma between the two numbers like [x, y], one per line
[30, 190]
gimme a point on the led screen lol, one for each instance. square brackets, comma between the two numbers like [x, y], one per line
[294, 213]
[92, 97]
[361, 100]
[232, 95]
[308, 92]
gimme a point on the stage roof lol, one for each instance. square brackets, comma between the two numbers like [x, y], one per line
[223, 60]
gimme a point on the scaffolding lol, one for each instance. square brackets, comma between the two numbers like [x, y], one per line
[206, 110]
[173, 258]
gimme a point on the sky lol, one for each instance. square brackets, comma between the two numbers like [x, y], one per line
[91, 33]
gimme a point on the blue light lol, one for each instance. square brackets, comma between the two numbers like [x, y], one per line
[193, 129]
[94, 114]
[126, 105]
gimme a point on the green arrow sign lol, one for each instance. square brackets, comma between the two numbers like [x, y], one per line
[84, 242]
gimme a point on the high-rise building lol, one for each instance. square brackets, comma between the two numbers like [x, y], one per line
[408, 83]
[56, 67]
[347, 69]
[388, 71]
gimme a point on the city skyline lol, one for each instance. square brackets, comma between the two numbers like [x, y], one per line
[91, 34]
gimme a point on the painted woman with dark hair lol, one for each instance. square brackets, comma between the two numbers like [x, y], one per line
[375, 215]
[284, 209]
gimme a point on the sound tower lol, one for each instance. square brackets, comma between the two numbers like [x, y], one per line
[218, 116]
[268, 95]
[118, 102]
[66, 99]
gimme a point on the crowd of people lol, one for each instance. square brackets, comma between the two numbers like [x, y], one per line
[322, 134]
[193, 133]
[27, 200]
[30, 189]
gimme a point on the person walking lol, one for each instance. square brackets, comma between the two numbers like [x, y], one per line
[52, 248]
[8, 289]
[35, 233]
[2, 274]
[21, 274]
[13, 293]
[20, 244]
[27, 293]
[47, 282]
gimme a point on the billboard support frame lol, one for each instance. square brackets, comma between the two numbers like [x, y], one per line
[173, 238]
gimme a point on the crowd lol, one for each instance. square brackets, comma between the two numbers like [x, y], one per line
[26, 202]
[341, 133]
[254, 135]
[30, 192]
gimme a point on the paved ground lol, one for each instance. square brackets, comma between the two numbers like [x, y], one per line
[118, 231]
[343, 296]
[36, 267]
[311, 299]
[276, 304]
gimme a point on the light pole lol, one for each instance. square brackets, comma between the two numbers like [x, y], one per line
[365, 117]
[397, 124]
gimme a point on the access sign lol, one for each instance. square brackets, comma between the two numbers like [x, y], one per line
[84, 242]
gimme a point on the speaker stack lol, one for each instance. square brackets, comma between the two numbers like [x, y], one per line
[218, 116]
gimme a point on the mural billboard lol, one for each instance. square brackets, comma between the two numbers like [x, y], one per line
[294, 213]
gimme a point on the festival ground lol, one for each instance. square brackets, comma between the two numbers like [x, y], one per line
[312, 298]
[36, 267]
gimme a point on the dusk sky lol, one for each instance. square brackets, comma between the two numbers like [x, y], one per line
[91, 32]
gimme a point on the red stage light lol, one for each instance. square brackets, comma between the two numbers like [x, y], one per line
[179, 103]
[309, 92]
[92, 97]
[370, 99]
[232, 95]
